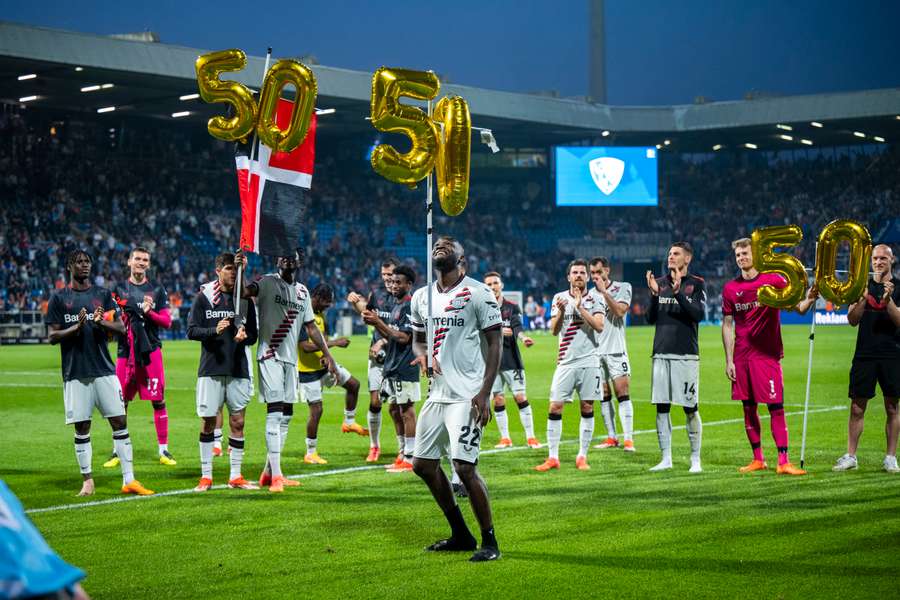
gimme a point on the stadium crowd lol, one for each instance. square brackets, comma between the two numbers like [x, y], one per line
[107, 188]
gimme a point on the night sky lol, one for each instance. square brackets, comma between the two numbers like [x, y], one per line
[658, 51]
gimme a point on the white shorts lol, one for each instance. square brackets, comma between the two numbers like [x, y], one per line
[447, 429]
[311, 391]
[80, 396]
[587, 381]
[375, 376]
[675, 381]
[397, 391]
[218, 390]
[512, 379]
[614, 366]
[277, 381]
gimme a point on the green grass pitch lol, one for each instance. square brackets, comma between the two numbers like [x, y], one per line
[616, 531]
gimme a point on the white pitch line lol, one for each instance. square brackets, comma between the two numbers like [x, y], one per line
[329, 472]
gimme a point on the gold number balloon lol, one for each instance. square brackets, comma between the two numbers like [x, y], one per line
[860, 242]
[452, 164]
[212, 89]
[389, 115]
[282, 73]
[766, 260]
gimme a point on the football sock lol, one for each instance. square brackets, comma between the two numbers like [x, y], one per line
[626, 416]
[206, 455]
[586, 432]
[284, 424]
[753, 427]
[488, 538]
[779, 431]
[459, 530]
[237, 456]
[217, 438]
[527, 419]
[311, 444]
[122, 442]
[454, 478]
[401, 442]
[409, 445]
[554, 433]
[608, 412]
[273, 438]
[349, 417]
[664, 429]
[161, 421]
[374, 420]
[502, 418]
[694, 428]
[83, 452]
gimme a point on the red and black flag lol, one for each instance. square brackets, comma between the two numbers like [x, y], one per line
[275, 191]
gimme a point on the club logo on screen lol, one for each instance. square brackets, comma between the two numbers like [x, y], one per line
[607, 172]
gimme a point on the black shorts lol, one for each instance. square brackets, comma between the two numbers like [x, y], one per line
[866, 372]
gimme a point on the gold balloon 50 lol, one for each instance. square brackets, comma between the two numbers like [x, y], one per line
[247, 116]
[448, 149]
[766, 260]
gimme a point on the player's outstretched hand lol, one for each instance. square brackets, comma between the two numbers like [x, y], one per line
[97, 316]
[561, 305]
[507, 332]
[354, 298]
[241, 335]
[369, 317]
[888, 291]
[222, 326]
[577, 296]
[341, 342]
[82, 316]
[481, 408]
[148, 304]
[730, 372]
[601, 285]
[528, 342]
[652, 284]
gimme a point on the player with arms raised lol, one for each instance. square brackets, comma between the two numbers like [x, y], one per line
[614, 356]
[577, 317]
[283, 307]
[79, 318]
[139, 366]
[677, 305]
[751, 334]
[466, 358]
[512, 369]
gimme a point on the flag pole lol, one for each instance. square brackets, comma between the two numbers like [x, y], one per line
[429, 235]
[239, 277]
[812, 342]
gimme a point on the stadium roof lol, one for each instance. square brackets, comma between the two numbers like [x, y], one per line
[148, 79]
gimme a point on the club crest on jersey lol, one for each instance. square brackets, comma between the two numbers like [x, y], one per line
[458, 302]
[607, 172]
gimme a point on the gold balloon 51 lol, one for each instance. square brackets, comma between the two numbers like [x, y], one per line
[212, 89]
[766, 260]
[282, 73]
[452, 164]
[389, 115]
[860, 242]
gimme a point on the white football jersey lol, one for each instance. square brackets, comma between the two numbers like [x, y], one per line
[282, 308]
[578, 342]
[612, 338]
[459, 316]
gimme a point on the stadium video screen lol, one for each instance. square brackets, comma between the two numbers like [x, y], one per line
[606, 176]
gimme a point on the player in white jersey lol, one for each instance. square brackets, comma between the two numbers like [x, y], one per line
[576, 316]
[283, 306]
[466, 326]
[614, 356]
